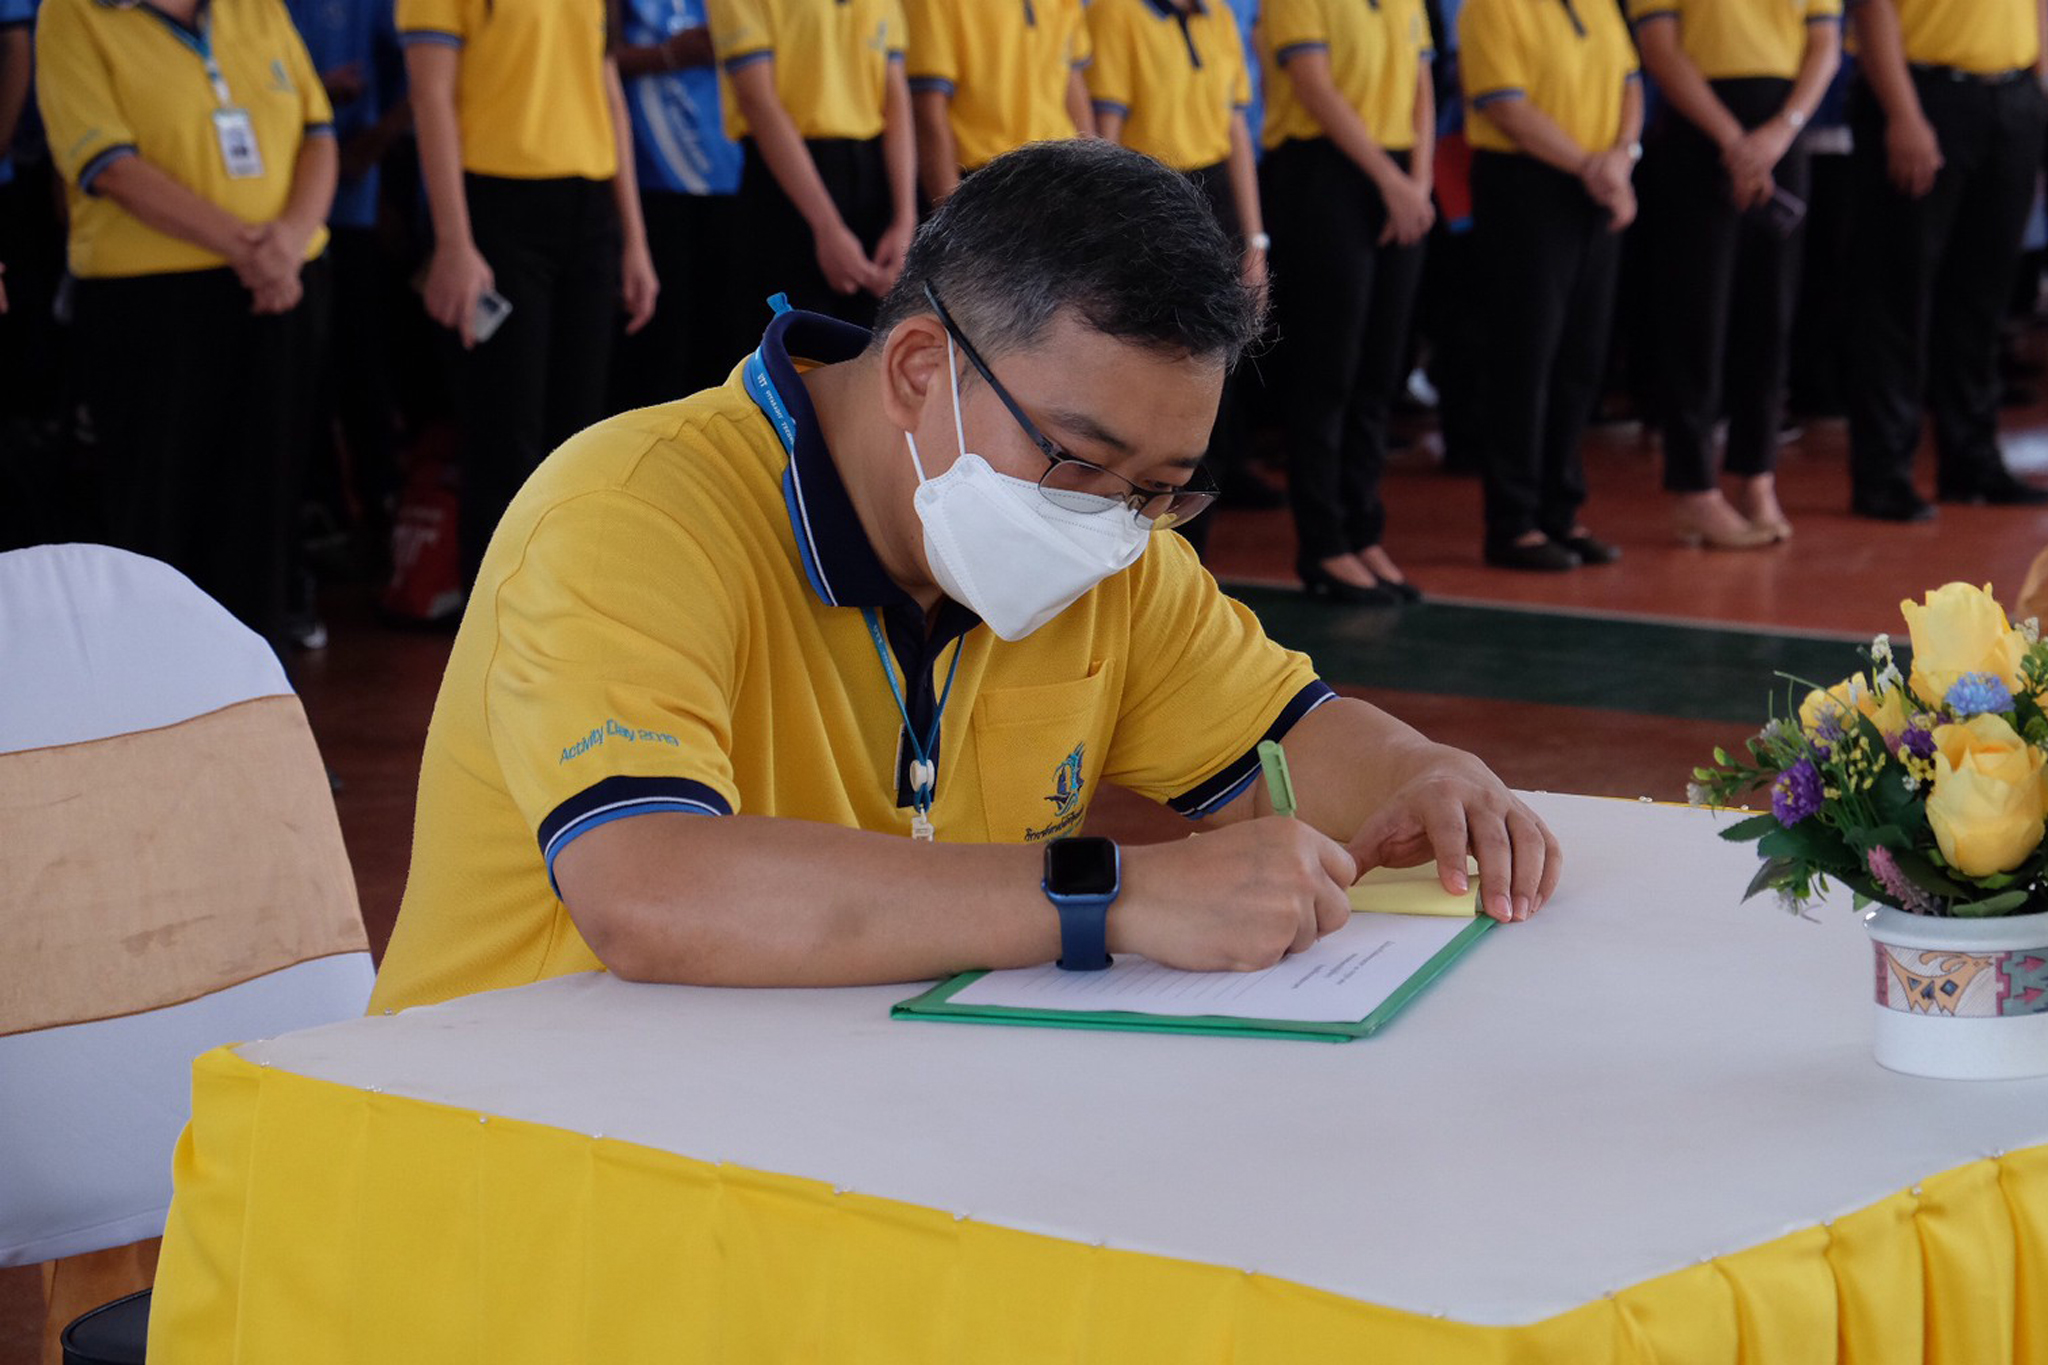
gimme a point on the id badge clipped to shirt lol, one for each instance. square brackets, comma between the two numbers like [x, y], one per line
[238, 149]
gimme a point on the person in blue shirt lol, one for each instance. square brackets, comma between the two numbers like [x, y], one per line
[689, 178]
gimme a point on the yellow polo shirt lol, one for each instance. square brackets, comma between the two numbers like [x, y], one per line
[115, 83]
[1570, 58]
[1004, 66]
[1984, 36]
[530, 95]
[1732, 39]
[668, 619]
[1175, 79]
[831, 59]
[1376, 53]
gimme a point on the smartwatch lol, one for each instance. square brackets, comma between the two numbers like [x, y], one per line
[1082, 879]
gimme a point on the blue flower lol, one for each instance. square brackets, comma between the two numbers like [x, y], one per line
[1976, 693]
[1797, 793]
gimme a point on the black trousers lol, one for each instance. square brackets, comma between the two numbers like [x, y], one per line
[1343, 303]
[1932, 276]
[202, 416]
[553, 248]
[1725, 284]
[781, 255]
[695, 337]
[1548, 259]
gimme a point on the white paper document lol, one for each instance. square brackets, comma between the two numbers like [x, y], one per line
[1342, 979]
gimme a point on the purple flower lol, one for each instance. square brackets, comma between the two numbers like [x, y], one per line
[1918, 742]
[1884, 869]
[1973, 694]
[1797, 793]
[1827, 737]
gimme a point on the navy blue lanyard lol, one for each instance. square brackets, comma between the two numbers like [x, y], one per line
[199, 39]
[925, 774]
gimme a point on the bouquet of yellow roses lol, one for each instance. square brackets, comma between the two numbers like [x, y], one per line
[1925, 791]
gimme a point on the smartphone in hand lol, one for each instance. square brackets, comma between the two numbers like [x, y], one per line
[492, 309]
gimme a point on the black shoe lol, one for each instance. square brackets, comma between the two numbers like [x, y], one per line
[1544, 557]
[1998, 489]
[1317, 581]
[1407, 593]
[1891, 504]
[1591, 549]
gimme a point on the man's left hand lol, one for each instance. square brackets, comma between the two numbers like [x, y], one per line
[1455, 806]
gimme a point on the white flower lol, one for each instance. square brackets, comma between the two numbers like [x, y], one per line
[2030, 630]
[1695, 794]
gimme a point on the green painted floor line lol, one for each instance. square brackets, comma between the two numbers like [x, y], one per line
[1606, 663]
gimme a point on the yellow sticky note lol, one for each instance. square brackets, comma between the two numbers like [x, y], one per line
[1413, 891]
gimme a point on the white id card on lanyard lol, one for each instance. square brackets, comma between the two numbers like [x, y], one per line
[238, 149]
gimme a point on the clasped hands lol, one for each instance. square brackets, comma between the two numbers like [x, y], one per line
[1247, 895]
[267, 260]
[1751, 161]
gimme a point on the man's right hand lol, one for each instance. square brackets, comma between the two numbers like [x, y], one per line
[845, 265]
[456, 279]
[1240, 899]
[1912, 154]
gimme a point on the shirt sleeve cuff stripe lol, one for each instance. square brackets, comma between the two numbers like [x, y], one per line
[932, 85]
[1116, 107]
[1632, 76]
[1512, 92]
[91, 170]
[319, 130]
[746, 59]
[615, 798]
[1281, 56]
[1823, 18]
[429, 37]
[1220, 790]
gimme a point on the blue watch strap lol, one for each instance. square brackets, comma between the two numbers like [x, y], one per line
[1084, 932]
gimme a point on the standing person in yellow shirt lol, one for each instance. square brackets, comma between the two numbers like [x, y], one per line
[1948, 122]
[1168, 78]
[989, 75]
[1350, 144]
[1556, 110]
[828, 186]
[527, 155]
[1729, 185]
[197, 150]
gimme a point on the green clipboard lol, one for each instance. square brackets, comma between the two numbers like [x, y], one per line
[937, 1003]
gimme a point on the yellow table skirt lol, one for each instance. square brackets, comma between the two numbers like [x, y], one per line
[321, 1225]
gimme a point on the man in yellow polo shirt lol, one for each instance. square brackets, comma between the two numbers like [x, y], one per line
[828, 185]
[810, 679]
[1948, 121]
[991, 75]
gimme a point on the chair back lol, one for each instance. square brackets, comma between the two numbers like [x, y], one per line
[172, 879]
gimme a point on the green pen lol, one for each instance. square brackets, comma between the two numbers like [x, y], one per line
[1279, 785]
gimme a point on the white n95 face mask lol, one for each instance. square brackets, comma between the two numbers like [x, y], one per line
[1000, 547]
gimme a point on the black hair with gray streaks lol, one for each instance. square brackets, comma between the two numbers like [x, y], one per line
[1126, 244]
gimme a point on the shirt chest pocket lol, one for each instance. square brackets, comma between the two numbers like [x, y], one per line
[1040, 751]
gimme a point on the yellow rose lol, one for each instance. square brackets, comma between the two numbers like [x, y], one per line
[1886, 710]
[1990, 796]
[1820, 706]
[1958, 630]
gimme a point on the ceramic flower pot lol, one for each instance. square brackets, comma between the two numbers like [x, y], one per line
[1962, 999]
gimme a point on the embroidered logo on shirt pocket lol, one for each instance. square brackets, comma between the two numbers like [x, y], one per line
[1041, 752]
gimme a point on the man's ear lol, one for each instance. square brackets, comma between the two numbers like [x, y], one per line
[913, 369]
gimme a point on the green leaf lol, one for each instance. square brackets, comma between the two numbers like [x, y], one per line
[2003, 903]
[1755, 827]
[1929, 878]
[1773, 873]
[1809, 841]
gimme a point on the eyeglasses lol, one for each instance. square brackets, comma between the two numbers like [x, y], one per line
[1077, 485]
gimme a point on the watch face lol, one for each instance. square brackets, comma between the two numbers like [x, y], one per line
[1081, 867]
